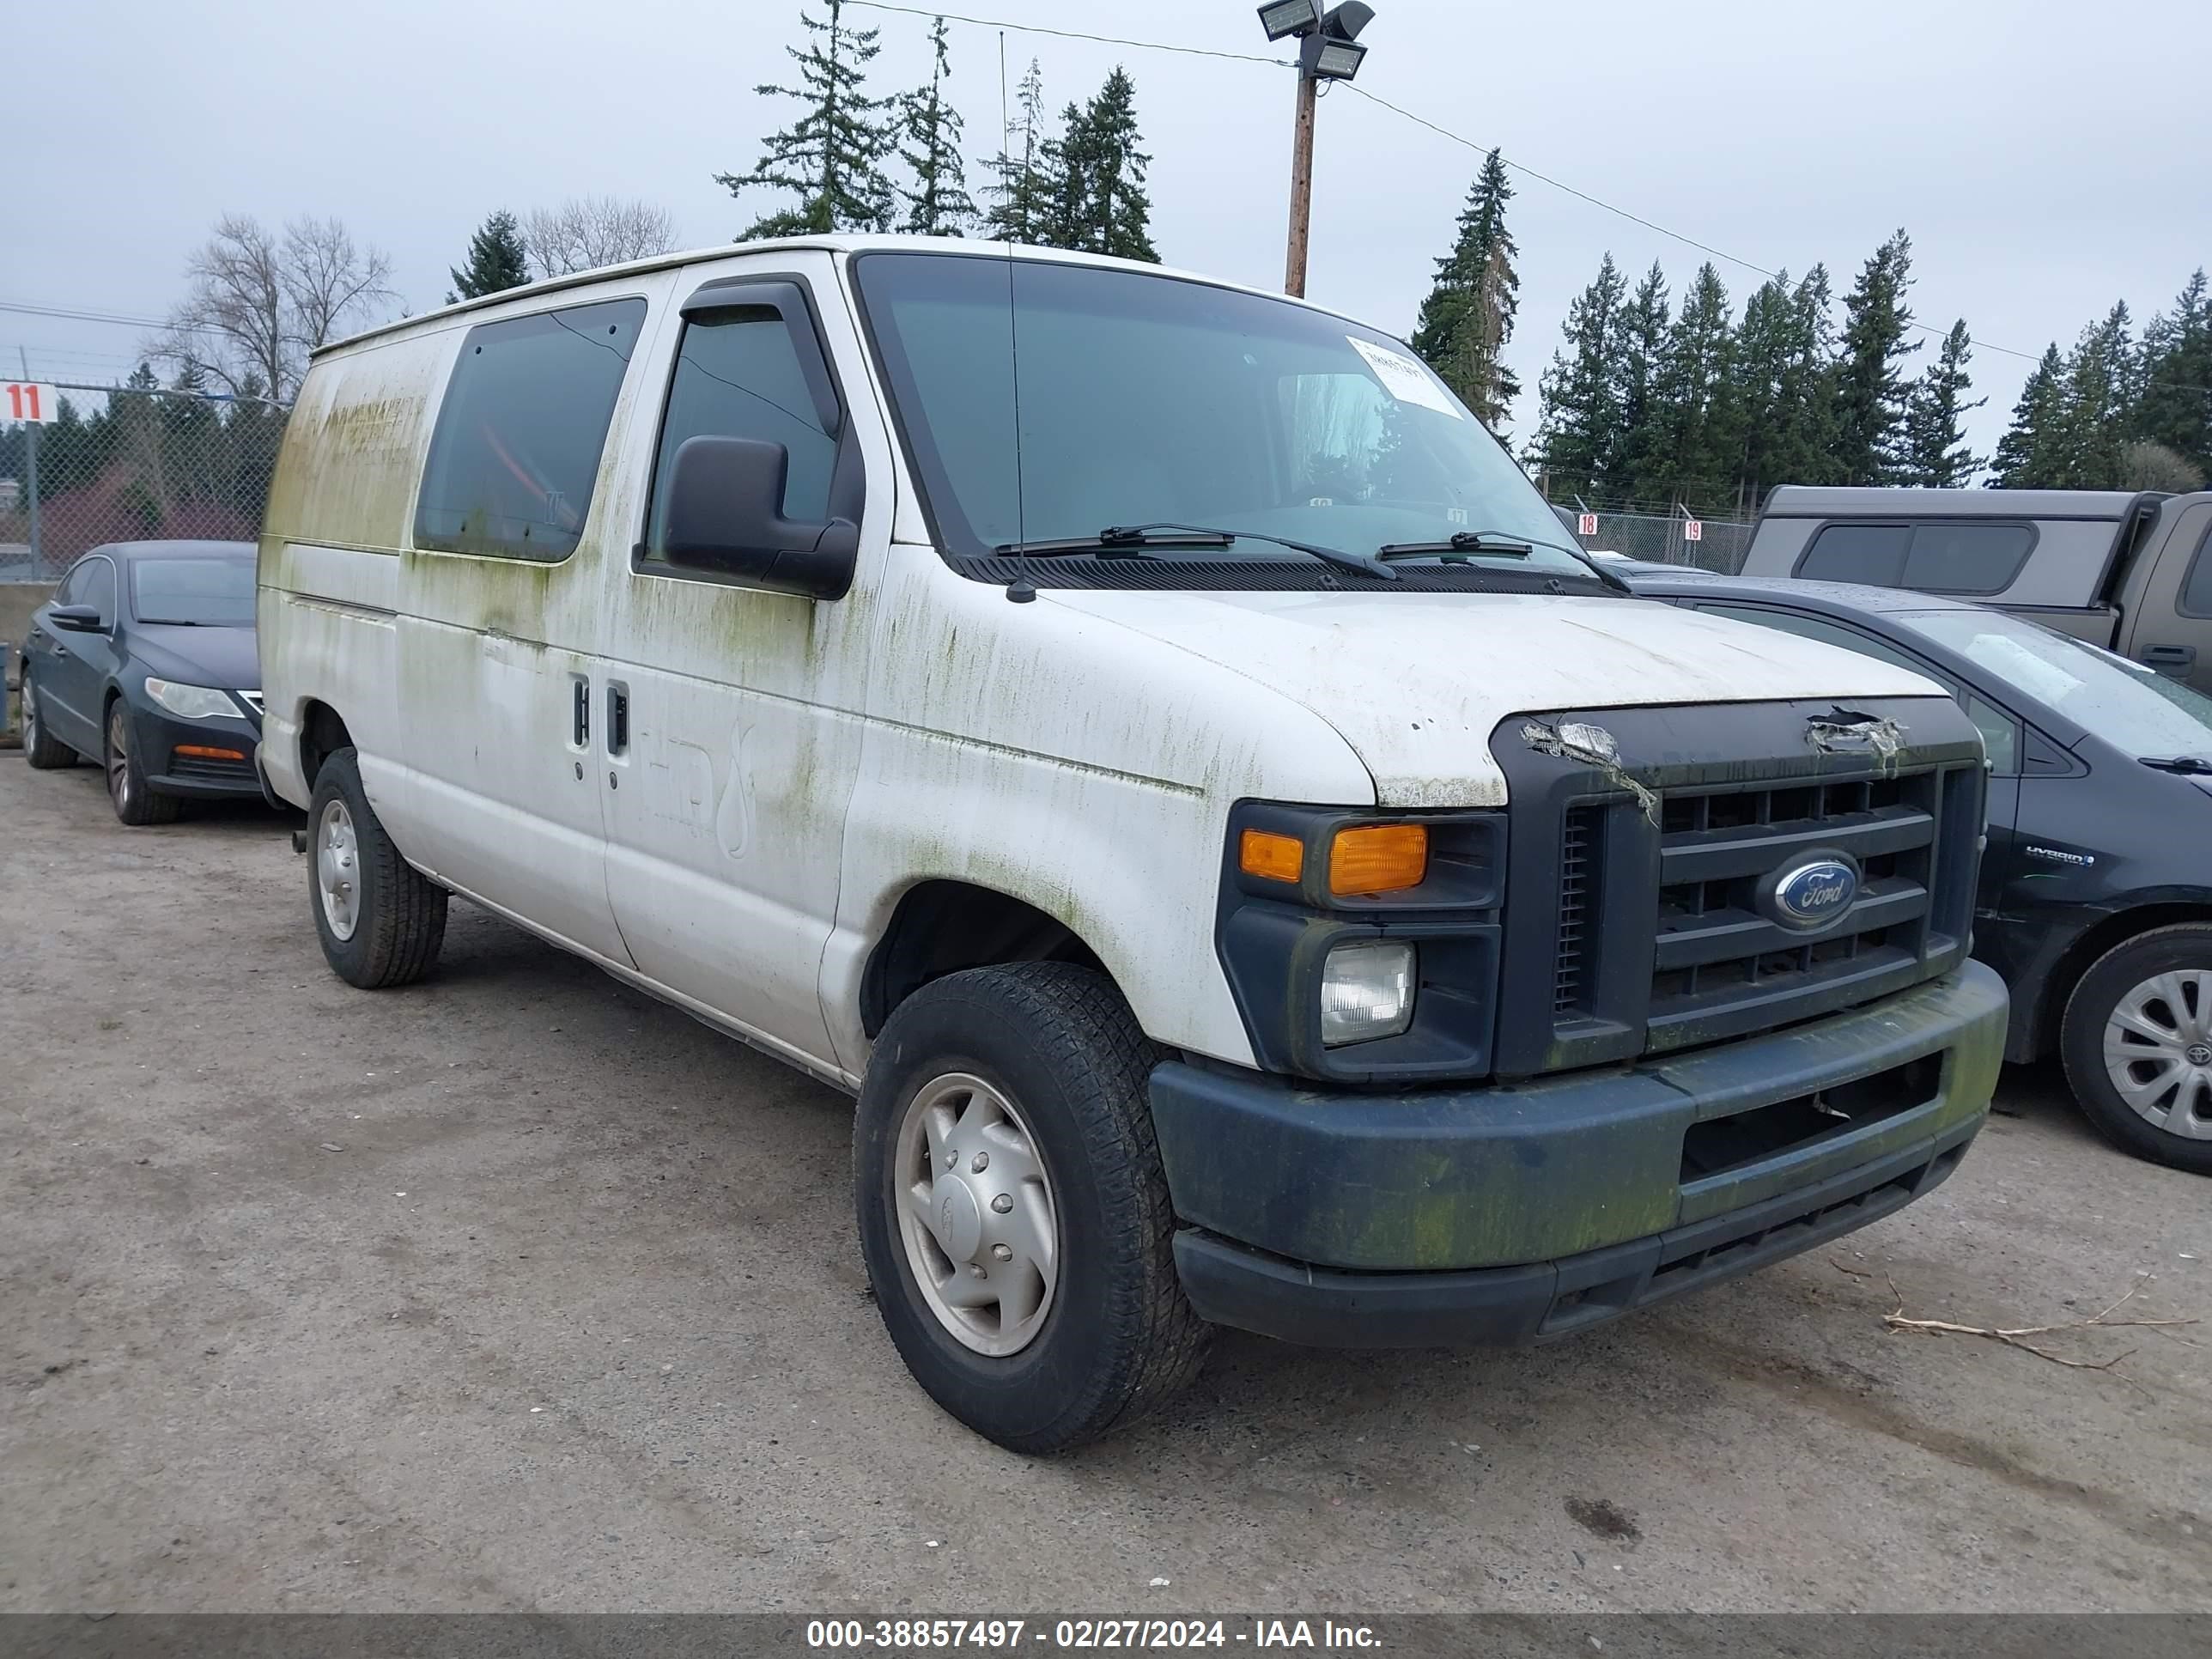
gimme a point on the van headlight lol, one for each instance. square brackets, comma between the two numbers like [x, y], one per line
[194, 702]
[1366, 991]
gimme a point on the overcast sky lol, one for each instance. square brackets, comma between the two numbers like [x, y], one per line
[2046, 159]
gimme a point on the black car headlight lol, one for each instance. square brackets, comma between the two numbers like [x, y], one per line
[1363, 946]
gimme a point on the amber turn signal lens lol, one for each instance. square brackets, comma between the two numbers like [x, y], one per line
[1279, 857]
[203, 752]
[1382, 858]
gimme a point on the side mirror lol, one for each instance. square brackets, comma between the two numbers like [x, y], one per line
[76, 618]
[726, 513]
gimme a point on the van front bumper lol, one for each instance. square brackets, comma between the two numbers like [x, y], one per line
[1507, 1213]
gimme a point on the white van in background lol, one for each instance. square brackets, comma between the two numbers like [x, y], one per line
[1147, 740]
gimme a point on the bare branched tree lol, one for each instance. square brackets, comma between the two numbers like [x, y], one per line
[256, 305]
[587, 232]
[2145, 466]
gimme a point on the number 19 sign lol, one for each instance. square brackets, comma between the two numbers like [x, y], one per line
[26, 400]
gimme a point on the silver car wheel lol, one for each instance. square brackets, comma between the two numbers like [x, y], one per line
[975, 1211]
[2158, 1051]
[119, 756]
[337, 869]
[30, 707]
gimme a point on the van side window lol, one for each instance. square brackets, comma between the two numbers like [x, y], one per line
[738, 375]
[2196, 588]
[519, 437]
[1939, 558]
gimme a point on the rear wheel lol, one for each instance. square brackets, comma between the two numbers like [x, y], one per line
[381, 921]
[137, 802]
[40, 747]
[2138, 1045]
[1013, 1211]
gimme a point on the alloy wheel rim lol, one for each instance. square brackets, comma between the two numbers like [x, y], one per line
[2158, 1051]
[976, 1214]
[337, 869]
[30, 715]
[119, 757]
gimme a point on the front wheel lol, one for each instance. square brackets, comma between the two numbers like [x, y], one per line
[380, 919]
[2138, 1045]
[1013, 1211]
[42, 747]
[137, 802]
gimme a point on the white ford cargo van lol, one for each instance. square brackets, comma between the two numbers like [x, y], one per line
[1146, 740]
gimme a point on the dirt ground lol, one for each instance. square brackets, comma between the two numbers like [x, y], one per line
[516, 1290]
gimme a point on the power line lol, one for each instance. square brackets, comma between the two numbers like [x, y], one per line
[1419, 120]
[72, 315]
[1071, 35]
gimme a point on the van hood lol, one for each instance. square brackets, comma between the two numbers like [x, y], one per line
[1416, 682]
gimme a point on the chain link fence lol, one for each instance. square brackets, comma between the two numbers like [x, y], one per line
[1664, 539]
[118, 464]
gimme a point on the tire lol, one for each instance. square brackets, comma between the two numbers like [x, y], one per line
[42, 747]
[381, 921]
[1114, 1335]
[2152, 994]
[135, 801]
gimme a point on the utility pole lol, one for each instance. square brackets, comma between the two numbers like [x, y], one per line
[31, 469]
[1302, 146]
[1326, 52]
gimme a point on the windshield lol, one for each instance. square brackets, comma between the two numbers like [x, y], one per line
[1152, 399]
[208, 593]
[2136, 708]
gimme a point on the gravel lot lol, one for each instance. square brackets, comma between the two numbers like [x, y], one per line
[516, 1290]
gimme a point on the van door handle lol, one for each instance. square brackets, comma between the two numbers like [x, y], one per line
[618, 719]
[2182, 657]
[580, 688]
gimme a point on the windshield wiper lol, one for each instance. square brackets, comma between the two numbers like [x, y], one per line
[1128, 541]
[1496, 544]
[2190, 765]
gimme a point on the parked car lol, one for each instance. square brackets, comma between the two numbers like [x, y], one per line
[1216, 827]
[144, 661]
[2129, 572]
[2096, 890]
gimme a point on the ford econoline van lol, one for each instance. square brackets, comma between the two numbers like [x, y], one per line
[1147, 742]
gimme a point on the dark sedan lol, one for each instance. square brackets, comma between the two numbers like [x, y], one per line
[144, 659]
[2096, 893]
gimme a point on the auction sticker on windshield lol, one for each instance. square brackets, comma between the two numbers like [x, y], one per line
[1406, 379]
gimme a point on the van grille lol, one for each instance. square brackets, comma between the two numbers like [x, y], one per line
[1578, 869]
[1718, 965]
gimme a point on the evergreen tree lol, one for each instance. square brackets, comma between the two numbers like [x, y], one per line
[938, 204]
[1467, 317]
[1696, 439]
[1804, 448]
[2174, 409]
[2024, 455]
[1021, 197]
[1643, 348]
[1934, 452]
[2093, 405]
[1096, 197]
[497, 260]
[1581, 390]
[831, 157]
[1870, 388]
[1765, 350]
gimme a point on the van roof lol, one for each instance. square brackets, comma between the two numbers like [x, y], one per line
[835, 244]
[1814, 501]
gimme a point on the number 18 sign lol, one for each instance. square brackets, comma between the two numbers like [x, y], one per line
[26, 400]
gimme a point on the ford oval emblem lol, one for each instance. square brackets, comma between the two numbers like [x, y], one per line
[1810, 893]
